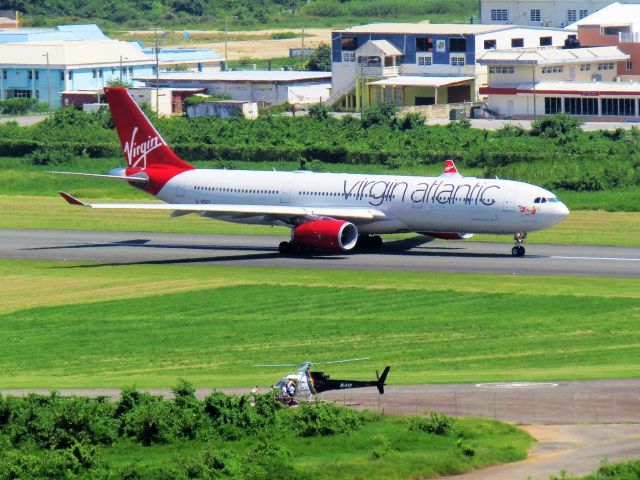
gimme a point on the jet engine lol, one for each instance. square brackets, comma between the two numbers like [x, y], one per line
[326, 234]
[448, 235]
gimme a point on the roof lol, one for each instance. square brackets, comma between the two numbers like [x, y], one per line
[594, 87]
[261, 76]
[61, 32]
[615, 14]
[72, 54]
[185, 55]
[552, 56]
[419, 81]
[386, 47]
[424, 28]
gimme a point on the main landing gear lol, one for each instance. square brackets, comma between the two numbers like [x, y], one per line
[368, 242]
[518, 250]
[290, 248]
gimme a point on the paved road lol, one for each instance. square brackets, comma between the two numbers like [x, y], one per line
[122, 248]
[24, 120]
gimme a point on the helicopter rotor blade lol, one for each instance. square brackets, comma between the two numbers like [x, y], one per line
[342, 361]
[308, 364]
[277, 365]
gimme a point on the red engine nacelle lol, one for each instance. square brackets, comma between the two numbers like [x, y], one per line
[327, 234]
[448, 235]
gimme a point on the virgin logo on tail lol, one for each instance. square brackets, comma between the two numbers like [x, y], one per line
[136, 153]
[450, 167]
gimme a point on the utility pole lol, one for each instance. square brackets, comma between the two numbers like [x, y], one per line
[120, 68]
[48, 81]
[226, 40]
[157, 73]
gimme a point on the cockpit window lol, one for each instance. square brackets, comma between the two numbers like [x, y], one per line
[537, 200]
[544, 200]
[553, 200]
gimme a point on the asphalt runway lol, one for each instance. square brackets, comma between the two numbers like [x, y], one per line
[125, 248]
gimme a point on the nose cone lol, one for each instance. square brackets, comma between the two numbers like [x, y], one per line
[557, 213]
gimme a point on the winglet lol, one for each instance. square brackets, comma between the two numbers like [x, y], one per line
[71, 200]
[450, 167]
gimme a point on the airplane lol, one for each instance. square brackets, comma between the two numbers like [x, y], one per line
[327, 211]
[308, 383]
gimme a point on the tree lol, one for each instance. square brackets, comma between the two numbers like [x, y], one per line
[320, 60]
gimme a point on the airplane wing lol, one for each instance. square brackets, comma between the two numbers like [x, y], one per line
[347, 213]
[109, 177]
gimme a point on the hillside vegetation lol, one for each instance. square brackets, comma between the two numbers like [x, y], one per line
[240, 13]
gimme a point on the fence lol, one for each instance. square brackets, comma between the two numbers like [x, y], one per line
[535, 407]
[442, 111]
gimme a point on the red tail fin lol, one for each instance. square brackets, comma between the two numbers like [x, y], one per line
[142, 144]
[450, 167]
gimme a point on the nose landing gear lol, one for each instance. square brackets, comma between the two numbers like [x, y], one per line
[518, 250]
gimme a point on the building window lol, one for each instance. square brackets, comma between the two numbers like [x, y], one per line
[585, 67]
[624, 107]
[70, 75]
[546, 41]
[349, 43]
[584, 13]
[18, 93]
[553, 69]
[31, 75]
[501, 70]
[424, 60]
[348, 56]
[4, 74]
[95, 73]
[424, 44]
[629, 65]
[457, 44]
[372, 61]
[499, 15]
[62, 76]
[457, 61]
[552, 105]
[581, 106]
[534, 15]
[606, 66]
[489, 44]
[517, 42]
[571, 16]
[131, 71]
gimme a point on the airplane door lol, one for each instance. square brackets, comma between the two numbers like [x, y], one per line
[285, 193]
[508, 204]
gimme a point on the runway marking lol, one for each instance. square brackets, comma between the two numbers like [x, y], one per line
[598, 258]
[517, 385]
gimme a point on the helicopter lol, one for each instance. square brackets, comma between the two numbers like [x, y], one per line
[307, 383]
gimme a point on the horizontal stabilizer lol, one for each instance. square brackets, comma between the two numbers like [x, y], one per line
[140, 180]
[71, 200]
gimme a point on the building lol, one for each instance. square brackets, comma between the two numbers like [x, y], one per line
[416, 64]
[59, 33]
[615, 25]
[584, 82]
[265, 87]
[537, 13]
[43, 70]
[9, 19]
[187, 59]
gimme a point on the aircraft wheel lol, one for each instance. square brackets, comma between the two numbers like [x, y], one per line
[521, 251]
[376, 242]
[285, 247]
[518, 251]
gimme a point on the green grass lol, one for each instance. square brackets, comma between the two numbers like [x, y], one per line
[411, 454]
[151, 324]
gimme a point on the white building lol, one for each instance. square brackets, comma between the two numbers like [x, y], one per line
[264, 87]
[538, 13]
[582, 82]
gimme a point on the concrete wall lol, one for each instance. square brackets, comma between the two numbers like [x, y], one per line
[552, 14]
[591, 36]
[223, 109]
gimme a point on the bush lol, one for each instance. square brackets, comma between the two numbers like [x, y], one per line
[18, 106]
[148, 421]
[319, 112]
[411, 120]
[436, 423]
[324, 419]
[555, 126]
[382, 114]
[269, 460]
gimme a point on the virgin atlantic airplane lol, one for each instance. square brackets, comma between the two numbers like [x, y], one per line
[328, 211]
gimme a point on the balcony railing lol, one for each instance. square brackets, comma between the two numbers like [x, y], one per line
[378, 71]
[629, 37]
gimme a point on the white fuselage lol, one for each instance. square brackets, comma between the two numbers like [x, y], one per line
[448, 203]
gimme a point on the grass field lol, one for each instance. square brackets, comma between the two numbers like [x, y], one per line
[410, 454]
[82, 326]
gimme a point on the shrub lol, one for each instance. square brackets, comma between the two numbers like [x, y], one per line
[235, 416]
[319, 112]
[467, 450]
[382, 114]
[148, 421]
[436, 423]
[324, 419]
[269, 460]
[18, 106]
[555, 126]
[412, 120]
